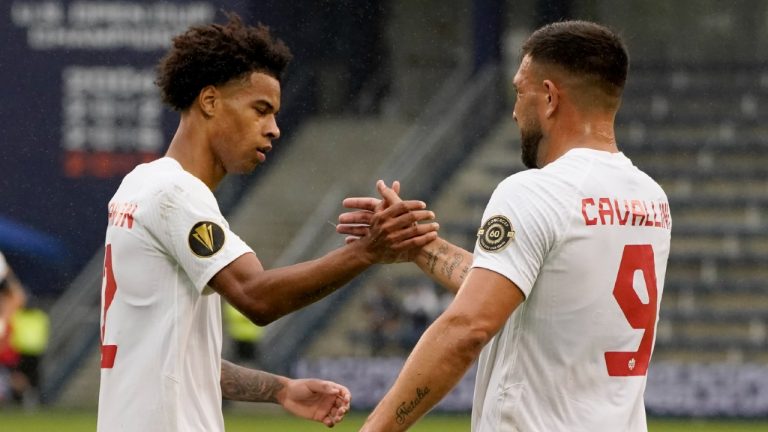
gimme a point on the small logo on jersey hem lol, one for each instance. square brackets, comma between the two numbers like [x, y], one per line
[205, 239]
[495, 234]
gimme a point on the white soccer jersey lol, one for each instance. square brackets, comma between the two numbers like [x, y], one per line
[586, 239]
[160, 324]
[3, 267]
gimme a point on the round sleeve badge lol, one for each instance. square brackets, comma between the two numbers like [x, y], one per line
[205, 239]
[495, 234]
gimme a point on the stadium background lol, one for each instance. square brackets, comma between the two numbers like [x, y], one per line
[416, 91]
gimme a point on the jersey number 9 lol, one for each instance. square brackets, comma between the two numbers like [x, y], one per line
[641, 316]
[108, 352]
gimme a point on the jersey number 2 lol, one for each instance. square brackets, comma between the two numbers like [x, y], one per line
[641, 316]
[108, 352]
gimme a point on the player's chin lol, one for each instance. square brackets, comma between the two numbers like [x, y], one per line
[246, 167]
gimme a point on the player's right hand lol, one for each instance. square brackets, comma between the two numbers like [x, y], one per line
[392, 229]
[318, 400]
[355, 224]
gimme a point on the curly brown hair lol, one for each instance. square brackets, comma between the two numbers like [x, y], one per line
[215, 54]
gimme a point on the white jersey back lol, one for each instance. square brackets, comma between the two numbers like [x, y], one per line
[160, 324]
[587, 240]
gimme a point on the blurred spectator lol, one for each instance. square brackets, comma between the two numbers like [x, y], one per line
[397, 319]
[29, 339]
[383, 310]
[12, 298]
[246, 336]
[422, 306]
[5, 386]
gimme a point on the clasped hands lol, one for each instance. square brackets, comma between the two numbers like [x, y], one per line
[393, 230]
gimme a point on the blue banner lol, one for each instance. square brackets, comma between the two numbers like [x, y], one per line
[674, 389]
[81, 110]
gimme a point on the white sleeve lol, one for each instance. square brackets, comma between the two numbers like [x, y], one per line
[3, 267]
[519, 227]
[193, 231]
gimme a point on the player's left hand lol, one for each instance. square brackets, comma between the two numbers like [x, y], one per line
[318, 400]
[357, 223]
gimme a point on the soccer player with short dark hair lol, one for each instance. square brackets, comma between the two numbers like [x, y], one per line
[560, 302]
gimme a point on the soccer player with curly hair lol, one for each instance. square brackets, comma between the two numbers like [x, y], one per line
[170, 255]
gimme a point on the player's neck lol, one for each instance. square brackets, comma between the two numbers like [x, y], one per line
[190, 148]
[595, 133]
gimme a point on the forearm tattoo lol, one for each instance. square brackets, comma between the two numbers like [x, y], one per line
[320, 293]
[434, 257]
[464, 272]
[450, 266]
[406, 408]
[243, 384]
[431, 261]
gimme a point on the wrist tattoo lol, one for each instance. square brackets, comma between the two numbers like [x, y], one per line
[242, 384]
[449, 267]
[431, 261]
[406, 408]
[464, 273]
[435, 257]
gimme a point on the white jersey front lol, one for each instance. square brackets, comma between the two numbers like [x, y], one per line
[160, 324]
[586, 239]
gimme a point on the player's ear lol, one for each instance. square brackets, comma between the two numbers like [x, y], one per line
[552, 96]
[207, 100]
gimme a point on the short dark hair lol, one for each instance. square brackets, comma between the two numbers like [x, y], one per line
[582, 48]
[214, 54]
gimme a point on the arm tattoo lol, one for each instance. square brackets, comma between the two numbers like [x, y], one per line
[406, 408]
[435, 257]
[320, 293]
[464, 272]
[243, 384]
[431, 261]
[449, 267]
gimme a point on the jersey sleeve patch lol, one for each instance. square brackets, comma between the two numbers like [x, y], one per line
[205, 239]
[495, 234]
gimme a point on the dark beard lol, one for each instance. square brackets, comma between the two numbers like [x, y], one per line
[530, 146]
